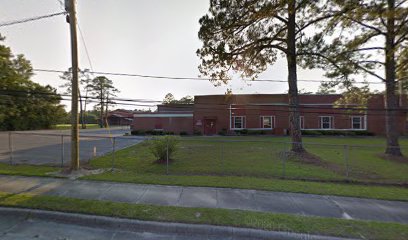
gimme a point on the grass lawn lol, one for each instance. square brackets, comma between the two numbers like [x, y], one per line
[26, 170]
[236, 218]
[265, 157]
[257, 163]
[68, 126]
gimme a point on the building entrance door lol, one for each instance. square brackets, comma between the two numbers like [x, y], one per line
[209, 127]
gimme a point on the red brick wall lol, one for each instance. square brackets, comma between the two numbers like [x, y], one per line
[168, 124]
[250, 106]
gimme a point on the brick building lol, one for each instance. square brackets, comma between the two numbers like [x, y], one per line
[168, 117]
[120, 117]
[269, 113]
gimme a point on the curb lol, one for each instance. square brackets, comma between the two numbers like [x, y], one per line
[131, 225]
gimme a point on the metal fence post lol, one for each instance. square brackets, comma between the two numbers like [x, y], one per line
[167, 155]
[285, 155]
[62, 151]
[11, 147]
[222, 158]
[113, 152]
[346, 159]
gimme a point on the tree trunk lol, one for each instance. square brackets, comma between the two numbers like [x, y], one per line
[101, 116]
[294, 118]
[106, 110]
[85, 103]
[81, 110]
[391, 101]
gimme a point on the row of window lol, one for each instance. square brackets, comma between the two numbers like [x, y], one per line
[268, 122]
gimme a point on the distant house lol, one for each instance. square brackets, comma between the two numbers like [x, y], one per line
[120, 117]
[211, 114]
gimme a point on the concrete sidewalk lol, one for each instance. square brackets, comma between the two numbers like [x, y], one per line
[252, 200]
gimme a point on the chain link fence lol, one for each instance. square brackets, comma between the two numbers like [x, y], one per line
[55, 149]
[212, 156]
[274, 159]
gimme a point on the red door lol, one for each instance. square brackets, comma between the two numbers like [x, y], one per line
[209, 127]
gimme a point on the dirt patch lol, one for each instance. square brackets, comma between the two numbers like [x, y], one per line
[163, 161]
[309, 158]
[398, 159]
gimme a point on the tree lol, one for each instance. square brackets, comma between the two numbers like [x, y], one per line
[25, 105]
[246, 36]
[371, 36]
[102, 88]
[84, 83]
[169, 99]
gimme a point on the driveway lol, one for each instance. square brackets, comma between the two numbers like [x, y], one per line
[53, 147]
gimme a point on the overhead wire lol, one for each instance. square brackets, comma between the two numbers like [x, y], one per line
[25, 20]
[194, 78]
[249, 107]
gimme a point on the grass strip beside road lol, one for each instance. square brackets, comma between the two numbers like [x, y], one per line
[26, 170]
[223, 217]
[279, 185]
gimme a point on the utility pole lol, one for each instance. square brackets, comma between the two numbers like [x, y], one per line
[71, 9]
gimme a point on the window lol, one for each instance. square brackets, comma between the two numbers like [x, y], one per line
[238, 122]
[326, 122]
[302, 122]
[357, 122]
[267, 122]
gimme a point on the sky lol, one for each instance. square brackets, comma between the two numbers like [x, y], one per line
[148, 37]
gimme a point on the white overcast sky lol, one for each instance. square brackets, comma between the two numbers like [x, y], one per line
[151, 37]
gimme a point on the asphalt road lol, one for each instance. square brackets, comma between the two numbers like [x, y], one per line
[52, 147]
[21, 227]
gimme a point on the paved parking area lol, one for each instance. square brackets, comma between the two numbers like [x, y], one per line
[52, 147]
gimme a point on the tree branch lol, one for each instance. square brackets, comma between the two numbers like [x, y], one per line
[367, 26]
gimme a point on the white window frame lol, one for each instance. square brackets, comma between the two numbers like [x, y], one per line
[243, 119]
[331, 122]
[302, 122]
[362, 127]
[272, 122]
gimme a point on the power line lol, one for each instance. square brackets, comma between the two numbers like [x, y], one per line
[85, 47]
[69, 95]
[31, 19]
[195, 78]
[302, 109]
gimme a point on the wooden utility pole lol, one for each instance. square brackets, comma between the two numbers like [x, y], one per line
[71, 9]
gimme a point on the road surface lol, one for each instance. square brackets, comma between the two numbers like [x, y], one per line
[52, 147]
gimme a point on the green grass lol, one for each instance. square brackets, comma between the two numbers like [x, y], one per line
[257, 165]
[26, 170]
[224, 217]
[68, 126]
[262, 157]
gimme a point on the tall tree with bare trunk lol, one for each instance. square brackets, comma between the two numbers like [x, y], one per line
[246, 36]
[369, 36]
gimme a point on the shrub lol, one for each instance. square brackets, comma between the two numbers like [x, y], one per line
[336, 133]
[158, 147]
[183, 133]
[223, 132]
[242, 132]
[137, 132]
[197, 133]
[256, 132]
